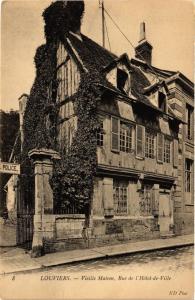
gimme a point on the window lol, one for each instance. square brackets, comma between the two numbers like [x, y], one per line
[188, 175]
[120, 195]
[160, 146]
[175, 153]
[122, 136]
[122, 78]
[167, 151]
[125, 137]
[146, 201]
[140, 137]
[189, 115]
[162, 101]
[149, 145]
[100, 134]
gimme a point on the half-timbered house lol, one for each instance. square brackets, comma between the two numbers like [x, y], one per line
[135, 187]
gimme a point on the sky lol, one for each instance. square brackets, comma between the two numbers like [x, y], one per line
[169, 28]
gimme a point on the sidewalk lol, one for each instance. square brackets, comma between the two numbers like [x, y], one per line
[16, 260]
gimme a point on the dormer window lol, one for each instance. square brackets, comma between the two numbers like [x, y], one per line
[122, 81]
[162, 101]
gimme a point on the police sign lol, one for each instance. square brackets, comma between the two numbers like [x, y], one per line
[9, 168]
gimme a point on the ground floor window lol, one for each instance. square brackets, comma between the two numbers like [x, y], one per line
[146, 201]
[120, 196]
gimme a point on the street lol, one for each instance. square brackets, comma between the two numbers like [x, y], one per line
[162, 261]
[163, 274]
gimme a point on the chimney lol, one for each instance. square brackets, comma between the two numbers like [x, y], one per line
[143, 50]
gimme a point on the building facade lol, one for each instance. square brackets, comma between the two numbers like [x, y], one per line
[142, 187]
[181, 103]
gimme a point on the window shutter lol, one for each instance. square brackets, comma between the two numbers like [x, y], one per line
[175, 153]
[160, 147]
[140, 140]
[115, 134]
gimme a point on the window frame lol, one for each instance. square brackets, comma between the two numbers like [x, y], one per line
[143, 193]
[118, 185]
[149, 144]
[162, 101]
[125, 85]
[165, 150]
[128, 138]
[189, 173]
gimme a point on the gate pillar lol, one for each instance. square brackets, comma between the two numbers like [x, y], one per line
[43, 168]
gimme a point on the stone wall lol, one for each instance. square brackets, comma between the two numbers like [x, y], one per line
[120, 230]
[69, 233]
[63, 232]
[7, 233]
[184, 223]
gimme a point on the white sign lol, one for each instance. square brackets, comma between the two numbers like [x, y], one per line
[9, 168]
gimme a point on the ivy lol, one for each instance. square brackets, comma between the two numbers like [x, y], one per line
[72, 181]
[73, 175]
[36, 134]
[61, 17]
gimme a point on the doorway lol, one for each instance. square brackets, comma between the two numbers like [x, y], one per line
[165, 214]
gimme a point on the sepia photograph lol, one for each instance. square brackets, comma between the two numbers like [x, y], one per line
[97, 150]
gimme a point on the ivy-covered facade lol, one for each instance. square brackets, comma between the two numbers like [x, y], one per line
[115, 132]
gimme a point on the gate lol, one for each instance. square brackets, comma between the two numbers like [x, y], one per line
[25, 229]
[25, 212]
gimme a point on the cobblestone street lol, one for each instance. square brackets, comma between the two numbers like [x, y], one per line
[167, 273]
[173, 260]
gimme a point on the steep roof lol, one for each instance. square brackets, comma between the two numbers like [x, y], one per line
[167, 75]
[93, 56]
[153, 70]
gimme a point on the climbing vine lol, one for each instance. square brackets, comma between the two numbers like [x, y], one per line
[72, 179]
[36, 134]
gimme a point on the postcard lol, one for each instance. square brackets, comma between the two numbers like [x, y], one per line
[97, 150]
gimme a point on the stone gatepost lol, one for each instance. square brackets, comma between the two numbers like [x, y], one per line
[43, 222]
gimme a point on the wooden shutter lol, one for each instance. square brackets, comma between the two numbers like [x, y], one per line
[175, 153]
[115, 133]
[160, 147]
[140, 140]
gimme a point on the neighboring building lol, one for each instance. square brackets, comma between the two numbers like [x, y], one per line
[10, 230]
[143, 146]
[9, 126]
[181, 102]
